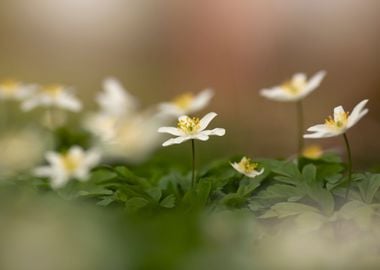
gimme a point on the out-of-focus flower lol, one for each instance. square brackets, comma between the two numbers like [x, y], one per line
[21, 150]
[15, 90]
[74, 164]
[53, 96]
[115, 100]
[103, 126]
[187, 103]
[295, 89]
[341, 122]
[247, 167]
[132, 139]
[312, 152]
[191, 128]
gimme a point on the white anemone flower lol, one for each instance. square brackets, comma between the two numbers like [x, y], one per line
[76, 163]
[115, 100]
[15, 90]
[53, 96]
[247, 167]
[191, 129]
[340, 123]
[187, 103]
[295, 89]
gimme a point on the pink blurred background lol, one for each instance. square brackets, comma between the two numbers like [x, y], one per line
[159, 49]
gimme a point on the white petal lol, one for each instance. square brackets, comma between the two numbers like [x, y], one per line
[29, 104]
[177, 140]
[59, 180]
[44, 171]
[201, 136]
[201, 100]
[254, 174]
[215, 131]
[170, 109]
[318, 128]
[92, 158]
[237, 167]
[320, 135]
[171, 130]
[299, 79]
[338, 111]
[315, 81]
[278, 94]
[205, 121]
[53, 158]
[69, 102]
[357, 113]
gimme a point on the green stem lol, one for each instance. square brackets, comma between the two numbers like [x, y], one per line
[349, 154]
[193, 162]
[300, 120]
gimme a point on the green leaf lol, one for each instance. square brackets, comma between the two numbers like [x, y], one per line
[168, 201]
[368, 186]
[286, 209]
[155, 193]
[136, 203]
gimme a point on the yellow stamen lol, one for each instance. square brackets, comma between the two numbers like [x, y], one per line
[189, 125]
[70, 162]
[247, 165]
[184, 101]
[53, 90]
[338, 122]
[9, 87]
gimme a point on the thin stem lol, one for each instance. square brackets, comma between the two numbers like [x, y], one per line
[300, 119]
[349, 154]
[193, 162]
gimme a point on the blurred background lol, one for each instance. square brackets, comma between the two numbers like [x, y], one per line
[159, 49]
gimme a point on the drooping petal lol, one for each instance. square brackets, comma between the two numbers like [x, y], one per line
[254, 173]
[201, 136]
[205, 121]
[318, 128]
[215, 131]
[177, 140]
[320, 135]
[357, 113]
[314, 82]
[201, 100]
[171, 130]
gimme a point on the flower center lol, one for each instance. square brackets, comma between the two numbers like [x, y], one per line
[9, 87]
[70, 162]
[338, 122]
[189, 125]
[293, 87]
[52, 90]
[247, 165]
[184, 101]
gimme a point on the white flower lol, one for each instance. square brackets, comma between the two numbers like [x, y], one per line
[53, 96]
[187, 103]
[115, 100]
[191, 128]
[247, 167]
[135, 138]
[15, 90]
[75, 163]
[341, 122]
[101, 125]
[295, 89]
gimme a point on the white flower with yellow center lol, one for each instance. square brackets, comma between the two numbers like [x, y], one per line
[53, 96]
[74, 164]
[115, 100]
[295, 89]
[247, 167]
[15, 90]
[339, 124]
[187, 103]
[191, 129]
